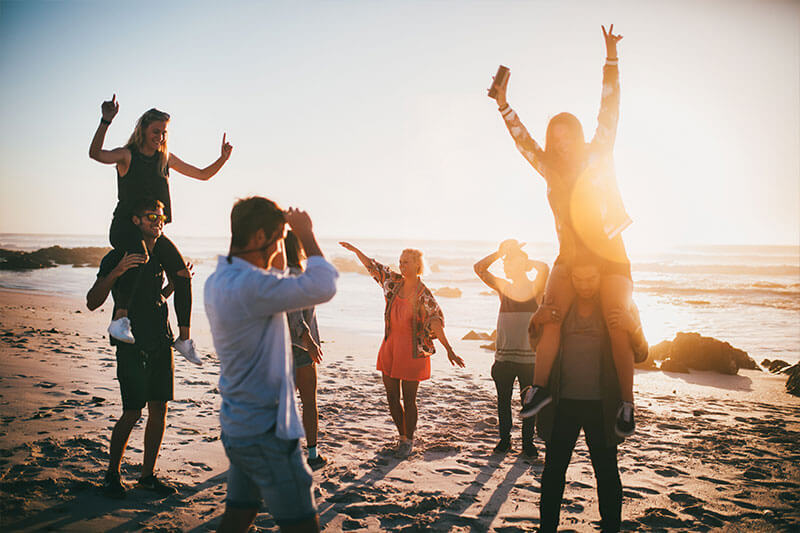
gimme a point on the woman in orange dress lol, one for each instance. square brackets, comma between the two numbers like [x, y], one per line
[412, 320]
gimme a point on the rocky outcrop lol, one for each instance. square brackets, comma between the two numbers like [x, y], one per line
[51, 257]
[674, 365]
[793, 383]
[477, 336]
[693, 351]
[777, 365]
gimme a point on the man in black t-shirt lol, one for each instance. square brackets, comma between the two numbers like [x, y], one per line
[144, 369]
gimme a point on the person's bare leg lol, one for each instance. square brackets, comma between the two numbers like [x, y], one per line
[236, 520]
[616, 292]
[395, 407]
[306, 381]
[184, 332]
[119, 437]
[559, 293]
[410, 406]
[153, 433]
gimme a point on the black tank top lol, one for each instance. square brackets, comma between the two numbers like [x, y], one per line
[144, 179]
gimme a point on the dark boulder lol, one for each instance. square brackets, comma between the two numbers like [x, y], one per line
[777, 365]
[793, 383]
[673, 365]
[707, 353]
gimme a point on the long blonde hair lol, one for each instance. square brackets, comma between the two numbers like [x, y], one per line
[137, 137]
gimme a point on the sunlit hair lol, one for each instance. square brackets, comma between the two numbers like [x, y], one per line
[576, 139]
[137, 137]
[252, 214]
[293, 250]
[148, 203]
[417, 254]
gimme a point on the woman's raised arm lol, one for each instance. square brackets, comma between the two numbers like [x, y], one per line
[117, 156]
[529, 148]
[607, 119]
[202, 174]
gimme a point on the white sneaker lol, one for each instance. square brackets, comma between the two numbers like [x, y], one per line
[120, 329]
[185, 347]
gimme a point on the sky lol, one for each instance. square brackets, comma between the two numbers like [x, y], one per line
[373, 116]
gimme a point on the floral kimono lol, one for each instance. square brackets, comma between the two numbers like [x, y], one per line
[425, 309]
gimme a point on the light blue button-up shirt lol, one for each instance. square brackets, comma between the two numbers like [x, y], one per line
[246, 308]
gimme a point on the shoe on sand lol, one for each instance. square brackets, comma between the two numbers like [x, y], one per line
[120, 329]
[504, 446]
[185, 347]
[153, 484]
[404, 449]
[534, 398]
[317, 462]
[625, 424]
[113, 487]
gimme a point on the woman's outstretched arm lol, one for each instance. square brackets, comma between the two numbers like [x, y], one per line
[366, 261]
[437, 326]
[609, 102]
[202, 174]
[117, 156]
[529, 148]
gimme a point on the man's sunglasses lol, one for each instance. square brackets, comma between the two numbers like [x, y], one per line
[152, 217]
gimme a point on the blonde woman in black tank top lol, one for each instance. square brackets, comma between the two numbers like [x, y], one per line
[143, 166]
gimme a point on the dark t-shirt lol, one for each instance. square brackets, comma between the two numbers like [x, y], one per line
[148, 311]
[583, 340]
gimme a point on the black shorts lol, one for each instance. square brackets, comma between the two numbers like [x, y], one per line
[606, 266]
[144, 376]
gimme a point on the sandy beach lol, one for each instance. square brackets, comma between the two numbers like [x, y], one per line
[711, 452]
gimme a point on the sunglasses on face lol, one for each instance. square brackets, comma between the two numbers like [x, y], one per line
[153, 217]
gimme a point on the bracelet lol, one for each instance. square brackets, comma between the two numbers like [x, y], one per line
[104, 121]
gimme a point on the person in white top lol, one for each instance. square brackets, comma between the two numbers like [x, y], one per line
[246, 302]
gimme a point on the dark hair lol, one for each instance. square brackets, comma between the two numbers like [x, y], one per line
[575, 131]
[147, 203]
[293, 247]
[252, 214]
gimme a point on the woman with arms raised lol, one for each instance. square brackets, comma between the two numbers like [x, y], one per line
[412, 320]
[589, 216]
[143, 166]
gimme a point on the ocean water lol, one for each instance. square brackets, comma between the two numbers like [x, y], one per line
[746, 295]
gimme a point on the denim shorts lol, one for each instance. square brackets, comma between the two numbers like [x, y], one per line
[266, 467]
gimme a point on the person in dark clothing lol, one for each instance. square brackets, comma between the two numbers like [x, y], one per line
[143, 166]
[586, 395]
[145, 368]
[514, 358]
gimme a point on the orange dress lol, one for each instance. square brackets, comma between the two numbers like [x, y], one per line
[395, 358]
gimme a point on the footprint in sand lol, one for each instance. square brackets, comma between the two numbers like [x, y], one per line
[42, 384]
